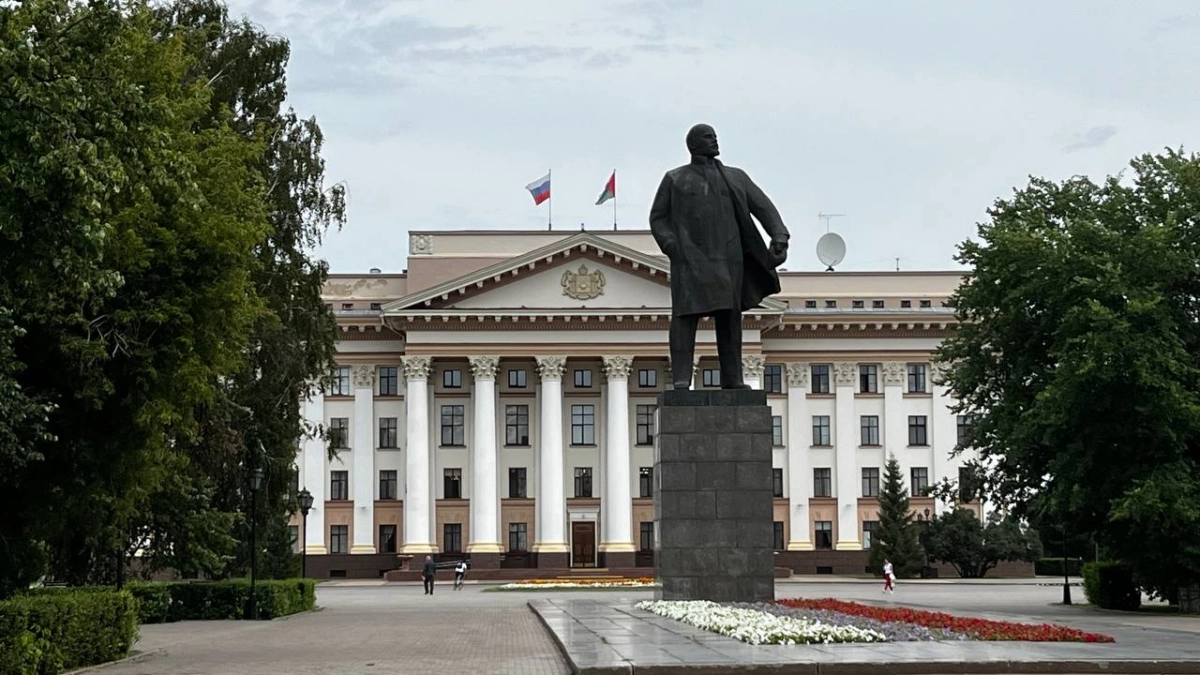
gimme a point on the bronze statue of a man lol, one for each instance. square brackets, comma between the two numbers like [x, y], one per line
[720, 265]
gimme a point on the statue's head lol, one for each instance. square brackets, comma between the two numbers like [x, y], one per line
[702, 140]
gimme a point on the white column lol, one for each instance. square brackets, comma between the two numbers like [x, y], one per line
[800, 478]
[752, 369]
[551, 503]
[363, 459]
[944, 436]
[314, 477]
[617, 519]
[895, 422]
[846, 440]
[418, 498]
[485, 511]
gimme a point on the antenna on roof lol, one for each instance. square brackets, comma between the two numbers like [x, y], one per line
[828, 216]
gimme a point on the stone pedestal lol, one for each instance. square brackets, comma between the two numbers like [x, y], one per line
[713, 504]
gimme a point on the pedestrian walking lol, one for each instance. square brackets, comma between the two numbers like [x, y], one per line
[427, 573]
[460, 571]
[889, 577]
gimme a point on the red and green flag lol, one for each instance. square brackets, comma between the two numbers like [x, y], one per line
[610, 190]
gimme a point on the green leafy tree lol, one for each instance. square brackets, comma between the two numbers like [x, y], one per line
[960, 540]
[131, 220]
[1075, 354]
[896, 540]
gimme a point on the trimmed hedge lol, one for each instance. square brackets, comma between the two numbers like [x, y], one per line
[47, 632]
[1053, 567]
[1111, 585]
[219, 600]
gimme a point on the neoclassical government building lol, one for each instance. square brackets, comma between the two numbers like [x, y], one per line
[496, 399]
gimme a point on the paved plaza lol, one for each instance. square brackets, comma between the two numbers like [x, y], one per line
[370, 627]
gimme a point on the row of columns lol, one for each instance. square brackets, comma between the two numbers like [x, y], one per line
[617, 516]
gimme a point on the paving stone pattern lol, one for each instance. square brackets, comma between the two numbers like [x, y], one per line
[713, 505]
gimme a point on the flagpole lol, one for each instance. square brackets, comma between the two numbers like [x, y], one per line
[550, 202]
[614, 200]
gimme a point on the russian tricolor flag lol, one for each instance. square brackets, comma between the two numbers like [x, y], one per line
[540, 189]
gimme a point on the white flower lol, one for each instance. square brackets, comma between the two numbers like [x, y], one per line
[754, 626]
[624, 583]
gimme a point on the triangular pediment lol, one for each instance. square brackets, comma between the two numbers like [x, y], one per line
[582, 271]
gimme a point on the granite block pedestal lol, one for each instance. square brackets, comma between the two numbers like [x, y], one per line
[713, 504]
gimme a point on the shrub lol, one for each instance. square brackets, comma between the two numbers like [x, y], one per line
[48, 631]
[218, 600]
[1053, 567]
[1110, 585]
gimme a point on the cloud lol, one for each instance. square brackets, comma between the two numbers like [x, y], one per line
[1092, 138]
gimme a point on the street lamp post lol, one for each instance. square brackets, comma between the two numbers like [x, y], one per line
[255, 482]
[305, 499]
[1066, 571]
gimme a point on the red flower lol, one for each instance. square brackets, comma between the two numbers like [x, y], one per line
[980, 629]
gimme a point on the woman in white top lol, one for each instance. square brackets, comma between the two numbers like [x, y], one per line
[889, 578]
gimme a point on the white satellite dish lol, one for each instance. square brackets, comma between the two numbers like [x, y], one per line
[831, 249]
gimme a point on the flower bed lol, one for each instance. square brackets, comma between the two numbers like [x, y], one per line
[756, 626]
[892, 630]
[568, 584]
[975, 629]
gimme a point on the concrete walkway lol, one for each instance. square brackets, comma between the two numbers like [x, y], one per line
[369, 627]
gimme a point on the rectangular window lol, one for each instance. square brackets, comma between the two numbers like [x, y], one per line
[389, 381]
[916, 378]
[387, 484]
[339, 536]
[452, 378]
[516, 483]
[823, 535]
[777, 527]
[777, 482]
[777, 430]
[339, 485]
[453, 426]
[646, 535]
[831, 304]
[821, 431]
[517, 378]
[870, 430]
[905, 304]
[823, 482]
[820, 379]
[868, 378]
[870, 482]
[451, 483]
[646, 481]
[711, 377]
[376, 306]
[926, 304]
[339, 433]
[870, 527]
[583, 378]
[452, 538]
[389, 433]
[518, 536]
[876, 304]
[583, 481]
[918, 481]
[294, 537]
[340, 381]
[645, 424]
[583, 424]
[856, 304]
[773, 378]
[810, 304]
[967, 486]
[964, 429]
[516, 425]
[917, 430]
[387, 538]
[647, 378]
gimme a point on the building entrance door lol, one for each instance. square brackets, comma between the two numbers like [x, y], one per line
[583, 544]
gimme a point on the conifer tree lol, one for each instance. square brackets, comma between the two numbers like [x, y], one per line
[897, 536]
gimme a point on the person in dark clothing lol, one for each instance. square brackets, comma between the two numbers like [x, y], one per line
[427, 574]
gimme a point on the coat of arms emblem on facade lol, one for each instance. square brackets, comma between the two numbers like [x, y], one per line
[582, 284]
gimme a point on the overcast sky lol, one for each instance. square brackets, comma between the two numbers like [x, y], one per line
[909, 117]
